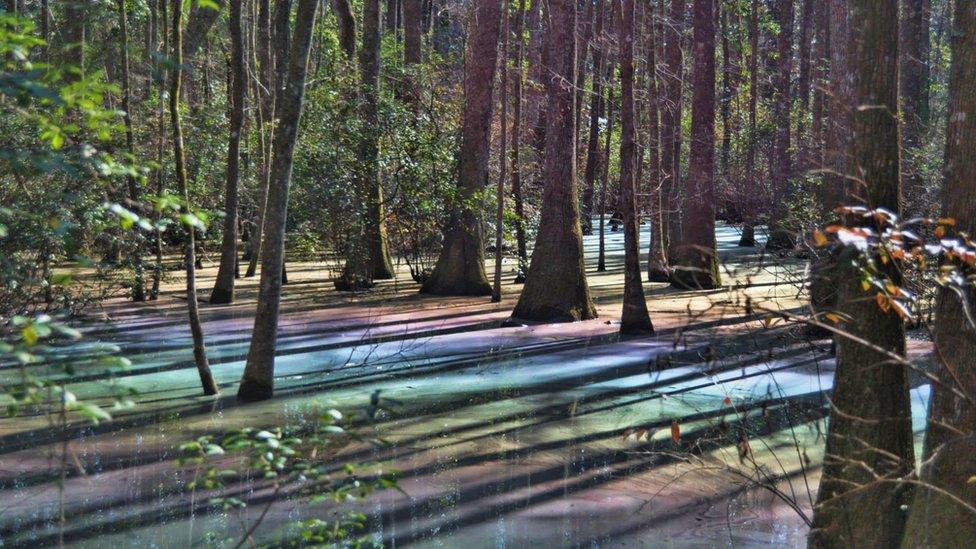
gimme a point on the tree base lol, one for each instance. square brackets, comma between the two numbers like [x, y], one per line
[658, 273]
[353, 284]
[220, 296]
[642, 327]
[685, 278]
[780, 241]
[469, 288]
[254, 391]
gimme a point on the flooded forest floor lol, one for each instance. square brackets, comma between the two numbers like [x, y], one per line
[505, 436]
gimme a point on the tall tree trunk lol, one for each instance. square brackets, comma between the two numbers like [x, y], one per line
[523, 260]
[196, 327]
[671, 123]
[656, 256]
[694, 263]
[258, 380]
[412, 32]
[803, 87]
[496, 292]
[601, 264]
[269, 92]
[869, 440]
[823, 285]
[913, 85]
[748, 238]
[223, 291]
[160, 145]
[138, 284]
[556, 289]
[634, 318]
[949, 459]
[596, 111]
[460, 269]
[73, 33]
[347, 26]
[781, 235]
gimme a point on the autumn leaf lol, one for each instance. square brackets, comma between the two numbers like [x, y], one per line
[727, 401]
[675, 431]
[950, 221]
[940, 231]
[882, 301]
[833, 317]
[819, 239]
[627, 432]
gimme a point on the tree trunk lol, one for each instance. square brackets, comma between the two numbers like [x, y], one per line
[555, 289]
[196, 328]
[160, 147]
[913, 85]
[671, 123]
[516, 149]
[138, 284]
[223, 291]
[73, 33]
[634, 318]
[596, 111]
[347, 26]
[748, 238]
[258, 380]
[949, 456]
[781, 235]
[694, 263]
[496, 292]
[266, 116]
[869, 440]
[460, 269]
[601, 264]
[656, 257]
[412, 33]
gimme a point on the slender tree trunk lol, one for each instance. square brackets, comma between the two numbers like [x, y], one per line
[803, 87]
[258, 380]
[556, 289]
[671, 123]
[913, 85]
[223, 291]
[601, 264]
[196, 327]
[496, 293]
[412, 32]
[949, 458]
[160, 146]
[596, 111]
[634, 319]
[694, 262]
[869, 440]
[347, 27]
[781, 235]
[523, 261]
[460, 269]
[748, 238]
[138, 284]
[657, 270]
[73, 32]
[585, 34]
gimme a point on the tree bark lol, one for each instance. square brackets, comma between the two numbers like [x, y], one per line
[347, 26]
[869, 440]
[196, 327]
[913, 86]
[223, 291]
[949, 458]
[748, 238]
[634, 318]
[781, 235]
[556, 289]
[694, 263]
[523, 260]
[671, 124]
[258, 380]
[596, 111]
[656, 255]
[412, 32]
[601, 264]
[460, 269]
[496, 291]
[138, 283]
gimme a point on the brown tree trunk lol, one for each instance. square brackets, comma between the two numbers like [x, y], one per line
[347, 26]
[781, 235]
[196, 327]
[160, 146]
[949, 459]
[556, 289]
[223, 291]
[73, 33]
[913, 85]
[460, 269]
[803, 86]
[748, 238]
[634, 319]
[138, 284]
[601, 264]
[671, 123]
[869, 439]
[258, 380]
[523, 260]
[694, 263]
[412, 32]
[596, 111]
[656, 257]
[496, 291]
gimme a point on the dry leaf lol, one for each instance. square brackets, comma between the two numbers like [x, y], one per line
[675, 431]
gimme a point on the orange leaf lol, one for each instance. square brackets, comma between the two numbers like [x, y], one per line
[727, 401]
[675, 431]
[627, 432]
[833, 317]
[819, 239]
[940, 231]
[950, 221]
[882, 301]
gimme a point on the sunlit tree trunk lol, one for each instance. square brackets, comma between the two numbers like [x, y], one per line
[496, 291]
[781, 235]
[869, 438]
[656, 256]
[460, 269]
[601, 264]
[671, 122]
[258, 380]
[949, 458]
[223, 291]
[748, 238]
[694, 261]
[347, 27]
[519, 74]
[555, 288]
[596, 111]
[196, 327]
[634, 319]
[160, 146]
